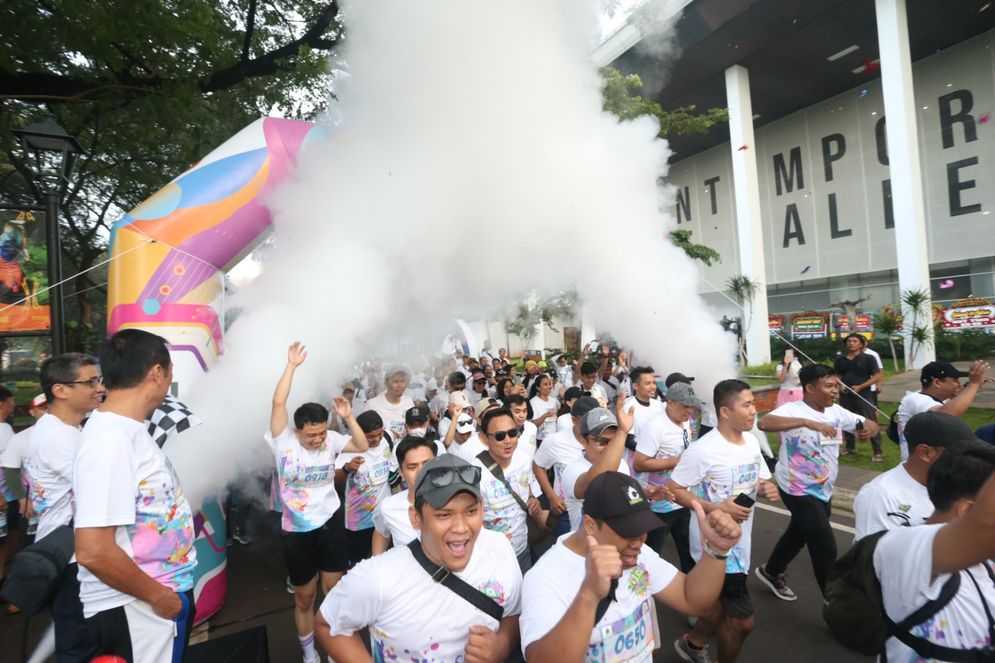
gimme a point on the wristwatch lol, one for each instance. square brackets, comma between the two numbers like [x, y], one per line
[720, 555]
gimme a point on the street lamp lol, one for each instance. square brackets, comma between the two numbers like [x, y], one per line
[53, 154]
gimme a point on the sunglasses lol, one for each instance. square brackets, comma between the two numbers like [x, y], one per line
[440, 477]
[511, 432]
[604, 441]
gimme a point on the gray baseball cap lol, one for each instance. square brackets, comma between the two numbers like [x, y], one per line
[441, 478]
[596, 421]
[681, 392]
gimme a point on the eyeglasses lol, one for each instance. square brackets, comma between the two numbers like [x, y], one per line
[500, 435]
[440, 477]
[92, 382]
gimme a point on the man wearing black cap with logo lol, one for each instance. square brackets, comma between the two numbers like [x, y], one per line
[898, 497]
[453, 595]
[941, 392]
[590, 596]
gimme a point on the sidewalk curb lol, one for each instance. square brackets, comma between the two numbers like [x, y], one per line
[843, 500]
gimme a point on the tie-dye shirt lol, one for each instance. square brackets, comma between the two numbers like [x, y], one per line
[401, 604]
[716, 470]
[367, 486]
[903, 562]
[808, 460]
[48, 462]
[122, 478]
[659, 438]
[501, 511]
[628, 629]
[306, 479]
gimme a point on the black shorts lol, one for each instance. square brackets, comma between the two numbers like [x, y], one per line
[735, 597]
[323, 549]
[360, 544]
[13, 516]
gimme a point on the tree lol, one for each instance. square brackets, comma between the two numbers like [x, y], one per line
[889, 324]
[620, 97]
[917, 303]
[146, 108]
[743, 289]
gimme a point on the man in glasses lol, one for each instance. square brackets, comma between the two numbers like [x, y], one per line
[941, 392]
[406, 596]
[604, 444]
[659, 446]
[593, 595]
[504, 486]
[73, 388]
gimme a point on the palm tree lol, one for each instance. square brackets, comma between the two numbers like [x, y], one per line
[743, 289]
[889, 324]
[917, 302]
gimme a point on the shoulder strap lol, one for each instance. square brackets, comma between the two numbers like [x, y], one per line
[606, 601]
[455, 584]
[488, 461]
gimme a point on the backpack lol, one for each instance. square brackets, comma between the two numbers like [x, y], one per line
[854, 609]
[37, 571]
[892, 430]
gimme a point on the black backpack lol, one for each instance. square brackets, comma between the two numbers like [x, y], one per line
[37, 571]
[892, 430]
[854, 609]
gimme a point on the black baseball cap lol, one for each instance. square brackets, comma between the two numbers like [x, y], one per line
[583, 405]
[937, 370]
[573, 392]
[441, 478]
[937, 429]
[619, 500]
[416, 413]
[369, 421]
[677, 377]
[456, 377]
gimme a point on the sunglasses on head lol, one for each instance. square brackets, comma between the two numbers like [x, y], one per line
[440, 477]
[500, 435]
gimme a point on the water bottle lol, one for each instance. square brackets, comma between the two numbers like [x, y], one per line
[3, 522]
[32, 525]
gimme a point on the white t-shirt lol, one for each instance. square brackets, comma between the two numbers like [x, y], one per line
[642, 413]
[529, 436]
[893, 499]
[6, 434]
[564, 422]
[469, 450]
[877, 358]
[49, 461]
[391, 519]
[122, 478]
[501, 511]
[572, 472]
[540, 407]
[719, 469]
[17, 448]
[903, 562]
[913, 403]
[391, 413]
[610, 387]
[558, 451]
[808, 461]
[367, 486]
[412, 617]
[628, 630]
[660, 437]
[792, 382]
[306, 479]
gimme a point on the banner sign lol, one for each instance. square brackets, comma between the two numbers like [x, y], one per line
[775, 323]
[980, 317]
[23, 272]
[809, 326]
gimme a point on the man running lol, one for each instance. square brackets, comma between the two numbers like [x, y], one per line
[404, 598]
[392, 403]
[391, 521]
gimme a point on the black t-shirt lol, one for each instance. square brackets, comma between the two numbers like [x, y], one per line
[857, 370]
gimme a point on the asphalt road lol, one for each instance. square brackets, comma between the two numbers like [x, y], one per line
[787, 632]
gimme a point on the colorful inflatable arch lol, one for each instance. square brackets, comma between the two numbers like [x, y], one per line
[169, 256]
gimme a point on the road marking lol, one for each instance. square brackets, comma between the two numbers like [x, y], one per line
[785, 512]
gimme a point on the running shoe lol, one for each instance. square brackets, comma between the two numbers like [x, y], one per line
[688, 654]
[776, 584]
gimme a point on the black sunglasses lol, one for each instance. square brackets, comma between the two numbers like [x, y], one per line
[440, 477]
[511, 432]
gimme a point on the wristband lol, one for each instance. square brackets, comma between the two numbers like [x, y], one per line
[720, 555]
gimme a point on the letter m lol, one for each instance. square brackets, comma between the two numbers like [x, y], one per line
[784, 176]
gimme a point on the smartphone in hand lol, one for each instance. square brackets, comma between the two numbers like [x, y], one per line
[744, 500]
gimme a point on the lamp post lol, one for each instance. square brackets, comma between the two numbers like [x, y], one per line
[53, 154]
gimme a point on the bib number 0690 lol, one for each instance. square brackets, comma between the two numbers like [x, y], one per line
[630, 639]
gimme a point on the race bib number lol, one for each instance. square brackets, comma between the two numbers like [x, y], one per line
[379, 473]
[832, 441]
[744, 479]
[631, 638]
[314, 474]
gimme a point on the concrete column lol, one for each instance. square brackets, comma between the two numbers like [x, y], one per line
[905, 169]
[746, 192]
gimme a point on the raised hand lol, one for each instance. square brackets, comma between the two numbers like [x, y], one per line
[342, 407]
[717, 528]
[626, 419]
[353, 465]
[603, 565]
[976, 374]
[296, 354]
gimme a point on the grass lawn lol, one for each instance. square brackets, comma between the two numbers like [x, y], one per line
[974, 417]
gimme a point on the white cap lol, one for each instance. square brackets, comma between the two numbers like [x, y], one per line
[459, 399]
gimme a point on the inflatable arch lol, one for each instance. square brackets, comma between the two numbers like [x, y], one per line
[169, 256]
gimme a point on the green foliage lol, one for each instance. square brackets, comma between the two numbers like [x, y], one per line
[524, 325]
[148, 88]
[742, 288]
[888, 324]
[622, 99]
[682, 239]
[966, 345]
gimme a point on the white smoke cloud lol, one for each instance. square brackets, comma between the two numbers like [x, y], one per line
[470, 164]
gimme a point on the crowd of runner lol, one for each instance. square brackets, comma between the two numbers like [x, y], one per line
[474, 511]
